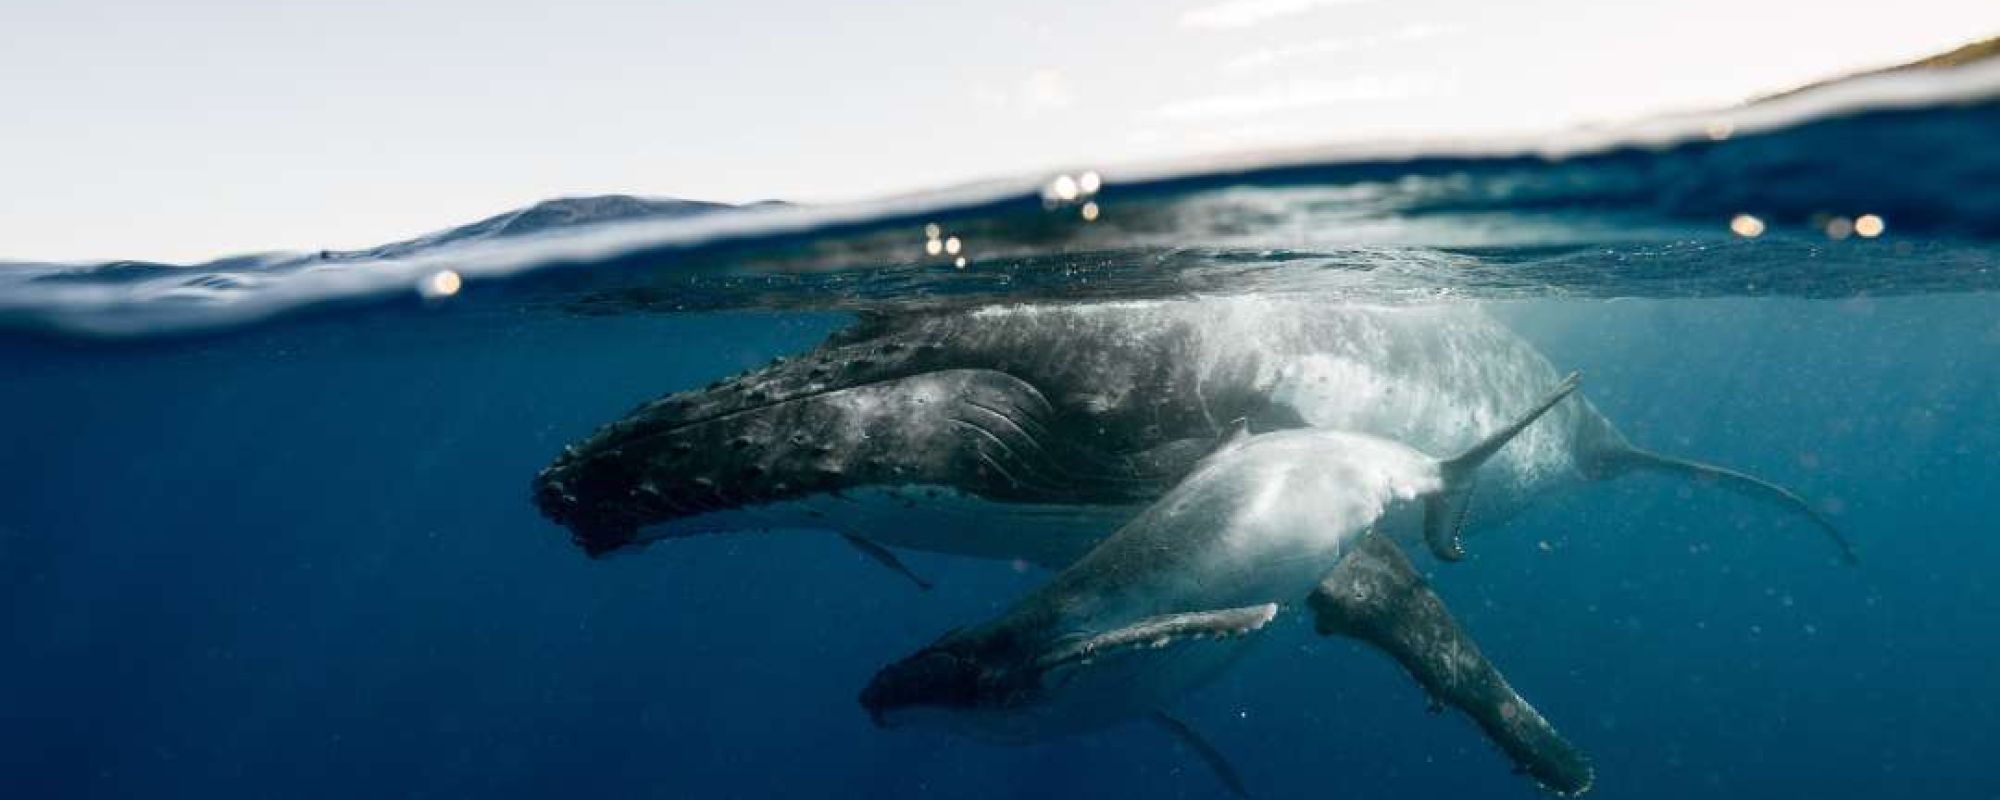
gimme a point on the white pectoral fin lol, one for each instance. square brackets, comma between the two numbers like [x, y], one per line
[1444, 511]
[1165, 630]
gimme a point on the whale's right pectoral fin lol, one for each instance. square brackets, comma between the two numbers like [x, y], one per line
[1376, 596]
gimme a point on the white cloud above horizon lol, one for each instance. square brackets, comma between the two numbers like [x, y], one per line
[1248, 13]
[1279, 54]
[1296, 96]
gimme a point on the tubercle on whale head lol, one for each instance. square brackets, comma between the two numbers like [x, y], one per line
[607, 490]
[662, 462]
[831, 367]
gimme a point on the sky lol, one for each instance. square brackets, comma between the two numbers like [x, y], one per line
[181, 131]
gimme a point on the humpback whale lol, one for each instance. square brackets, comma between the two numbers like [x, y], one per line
[1176, 595]
[1031, 432]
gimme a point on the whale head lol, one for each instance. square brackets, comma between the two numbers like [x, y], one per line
[1016, 680]
[984, 685]
[776, 448]
[1020, 407]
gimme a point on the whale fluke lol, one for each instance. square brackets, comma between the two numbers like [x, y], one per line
[1627, 458]
[1216, 761]
[1443, 525]
[883, 556]
[1377, 597]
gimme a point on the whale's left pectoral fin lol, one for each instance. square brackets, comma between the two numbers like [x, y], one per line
[1376, 596]
[882, 555]
[1216, 762]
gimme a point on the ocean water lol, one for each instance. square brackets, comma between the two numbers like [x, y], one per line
[267, 525]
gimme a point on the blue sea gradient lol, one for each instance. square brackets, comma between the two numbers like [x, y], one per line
[301, 561]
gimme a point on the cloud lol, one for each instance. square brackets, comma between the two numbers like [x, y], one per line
[1246, 13]
[1292, 97]
[1269, 56]
[1044, 91]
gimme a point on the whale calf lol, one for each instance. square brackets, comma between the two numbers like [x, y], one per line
[1175, 596]
[1031, 432]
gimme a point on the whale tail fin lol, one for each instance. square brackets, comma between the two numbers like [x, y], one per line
[1445, 510]
[1376, 596]
[1625, 458]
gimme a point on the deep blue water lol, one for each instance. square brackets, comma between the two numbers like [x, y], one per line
[302, 561]
[298, 558]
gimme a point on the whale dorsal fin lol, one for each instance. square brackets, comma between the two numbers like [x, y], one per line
[1376, 596]
[1444, 511]
[1209, 754]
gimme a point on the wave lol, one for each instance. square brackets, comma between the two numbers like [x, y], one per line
[1759, 199]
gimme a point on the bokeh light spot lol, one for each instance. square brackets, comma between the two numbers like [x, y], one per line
[443, 283]
[1869, 226]
[1746, 226]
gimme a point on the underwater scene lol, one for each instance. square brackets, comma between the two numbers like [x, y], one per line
[1654, 461]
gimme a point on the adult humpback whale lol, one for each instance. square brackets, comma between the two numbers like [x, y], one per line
[1172, 599]
[1031, 432]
